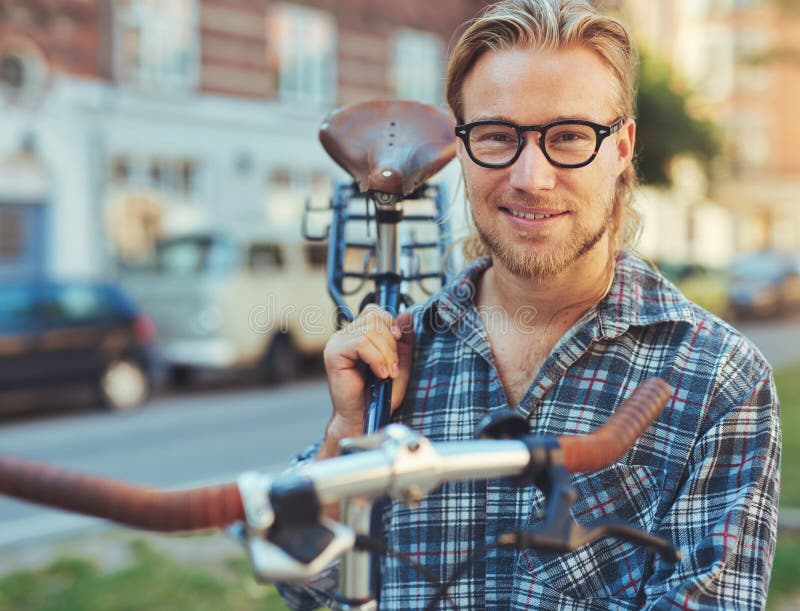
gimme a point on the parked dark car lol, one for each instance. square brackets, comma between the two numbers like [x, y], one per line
[58, 339]
[763, 284]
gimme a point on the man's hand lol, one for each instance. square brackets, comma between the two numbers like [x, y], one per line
[375, 341]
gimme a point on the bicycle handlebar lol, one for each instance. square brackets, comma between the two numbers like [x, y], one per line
[219, 506]
[603, 446]
[137, 506]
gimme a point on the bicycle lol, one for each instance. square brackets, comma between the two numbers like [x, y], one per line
[391, 149]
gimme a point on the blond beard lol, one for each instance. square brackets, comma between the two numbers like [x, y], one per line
[532, 264]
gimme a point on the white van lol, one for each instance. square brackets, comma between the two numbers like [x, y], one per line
[219, 303]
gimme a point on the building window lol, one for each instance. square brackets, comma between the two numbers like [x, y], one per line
[157, 43]
[418, 66]
[304, 41]
[288, 189]
[173, 177]
[751, 49]
[751, 141]
[708, 60]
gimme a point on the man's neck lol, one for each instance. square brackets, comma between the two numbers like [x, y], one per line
[560, 299]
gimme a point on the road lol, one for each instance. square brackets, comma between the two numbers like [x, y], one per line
[779, 340]
[176, 441]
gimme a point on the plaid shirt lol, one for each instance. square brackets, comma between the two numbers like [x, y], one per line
[705, 476]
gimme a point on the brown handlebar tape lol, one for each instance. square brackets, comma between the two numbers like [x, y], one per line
[136, 506]
[600, 448]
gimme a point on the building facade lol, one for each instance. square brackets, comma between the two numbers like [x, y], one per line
[741, 60]
[125, 120]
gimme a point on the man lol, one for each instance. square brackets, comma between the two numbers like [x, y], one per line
[560, 324]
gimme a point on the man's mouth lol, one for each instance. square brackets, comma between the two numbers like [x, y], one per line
[533, 216]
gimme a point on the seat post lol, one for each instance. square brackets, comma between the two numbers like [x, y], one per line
[388, 248]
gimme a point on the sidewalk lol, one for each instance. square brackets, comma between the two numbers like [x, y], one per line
[109, 548]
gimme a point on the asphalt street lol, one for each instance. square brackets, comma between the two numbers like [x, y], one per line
[779, 340]
[199, 437]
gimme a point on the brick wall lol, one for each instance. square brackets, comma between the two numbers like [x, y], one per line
[237, 57]
[67, 31]
[234, 50]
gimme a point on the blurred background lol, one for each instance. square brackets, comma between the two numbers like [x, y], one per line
[156, 157]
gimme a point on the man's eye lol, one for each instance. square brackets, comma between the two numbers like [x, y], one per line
[567, 137]
[496, 138]
[570, 137]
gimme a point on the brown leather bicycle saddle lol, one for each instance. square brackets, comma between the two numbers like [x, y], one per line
[391, 146]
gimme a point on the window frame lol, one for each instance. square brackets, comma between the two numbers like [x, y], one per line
[153, 76]
[295, 61]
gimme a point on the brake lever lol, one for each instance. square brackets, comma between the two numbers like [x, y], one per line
[575, 536]
[626, 532]
[296, 551]
[559, 532]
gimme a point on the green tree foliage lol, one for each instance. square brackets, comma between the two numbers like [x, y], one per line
[665, 127]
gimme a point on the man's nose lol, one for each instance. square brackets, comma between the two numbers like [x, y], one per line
[532, 171]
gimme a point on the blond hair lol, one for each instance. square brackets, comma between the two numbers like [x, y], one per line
[546, 25]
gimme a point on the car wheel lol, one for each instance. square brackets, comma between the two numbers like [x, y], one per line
[282, 362]
[124, 385]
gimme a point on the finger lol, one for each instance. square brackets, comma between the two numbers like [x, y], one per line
[405, 328]
[382, 327]
[374, 312]
[369, 353]
[405, 351]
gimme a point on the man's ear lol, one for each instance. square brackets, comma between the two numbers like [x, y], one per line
[626, 142]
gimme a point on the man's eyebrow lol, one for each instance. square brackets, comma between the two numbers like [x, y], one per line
[507, 119]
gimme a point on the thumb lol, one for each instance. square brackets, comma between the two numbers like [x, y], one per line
[405, 343]
[405, 355]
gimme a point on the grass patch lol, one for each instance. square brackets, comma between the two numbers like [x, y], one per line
[150, 581]
[787, 379]
[784, 584]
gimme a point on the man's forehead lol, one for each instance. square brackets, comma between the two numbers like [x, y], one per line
[570, 82]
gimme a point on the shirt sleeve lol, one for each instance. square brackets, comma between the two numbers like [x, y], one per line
[724, 516]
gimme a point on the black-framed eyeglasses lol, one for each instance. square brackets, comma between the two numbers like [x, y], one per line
[566, 143]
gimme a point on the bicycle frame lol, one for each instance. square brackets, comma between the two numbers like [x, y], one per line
[388, 252]
[391, 149]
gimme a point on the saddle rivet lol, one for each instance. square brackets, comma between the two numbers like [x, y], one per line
[386, 173]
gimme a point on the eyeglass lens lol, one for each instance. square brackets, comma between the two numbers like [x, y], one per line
[568, 143]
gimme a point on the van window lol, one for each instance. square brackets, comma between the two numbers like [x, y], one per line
[182, 257]
[265, 257]
[194, 255]
[316, 255]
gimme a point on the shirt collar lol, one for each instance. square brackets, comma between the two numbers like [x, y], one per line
[639, 296]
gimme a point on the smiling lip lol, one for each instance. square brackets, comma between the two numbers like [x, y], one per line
[534, 215]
